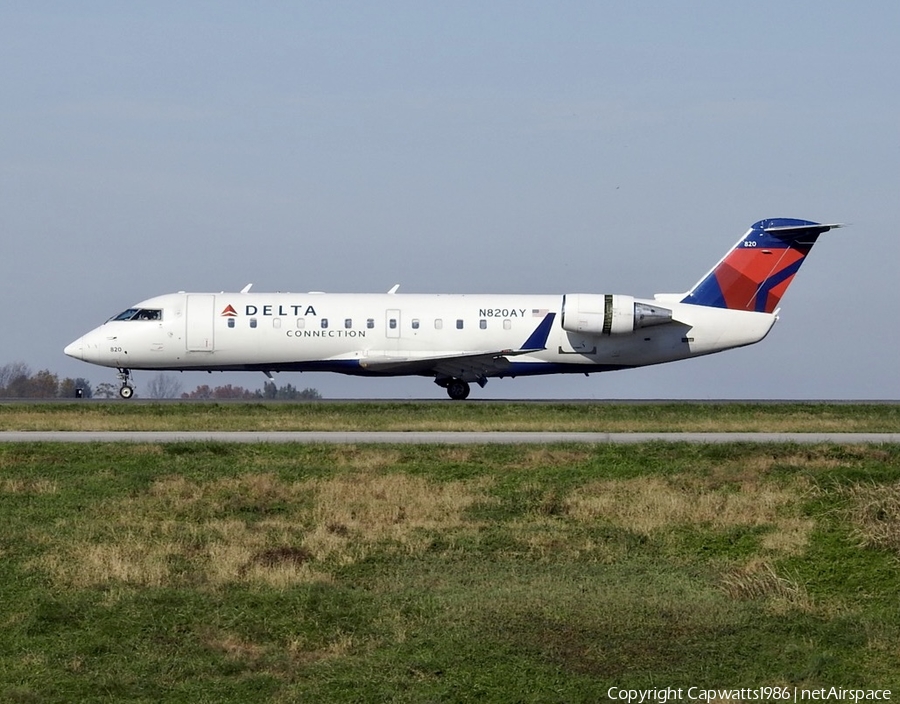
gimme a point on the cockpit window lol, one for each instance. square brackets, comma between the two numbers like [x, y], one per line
[139, 314]
[125, 314]
[148, 314]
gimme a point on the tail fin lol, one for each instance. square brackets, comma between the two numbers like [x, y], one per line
[758, 270]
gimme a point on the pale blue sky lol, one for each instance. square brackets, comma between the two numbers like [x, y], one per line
[455, 147]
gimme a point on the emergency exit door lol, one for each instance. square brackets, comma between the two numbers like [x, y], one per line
[392, 323]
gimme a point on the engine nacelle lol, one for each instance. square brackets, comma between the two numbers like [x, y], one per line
[609, 314]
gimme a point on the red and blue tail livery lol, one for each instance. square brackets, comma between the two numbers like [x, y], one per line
[754, 275]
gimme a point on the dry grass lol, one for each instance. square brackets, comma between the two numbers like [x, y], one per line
[298, 651]
[547, 539]
[875, 513]
[28, 486]
[365, 460]
[647, 505]
[259, 528]
[296, 531]
[234, 647]
[758, 580]
[452, 454]
[361, 510]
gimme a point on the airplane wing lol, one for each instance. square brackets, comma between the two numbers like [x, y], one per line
[466, 366]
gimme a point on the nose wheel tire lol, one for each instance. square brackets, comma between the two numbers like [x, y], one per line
[458, 390]
[126, 390]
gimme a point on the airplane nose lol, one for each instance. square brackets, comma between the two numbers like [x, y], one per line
[75, 349]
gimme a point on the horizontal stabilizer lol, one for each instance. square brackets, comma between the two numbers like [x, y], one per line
[798, 229]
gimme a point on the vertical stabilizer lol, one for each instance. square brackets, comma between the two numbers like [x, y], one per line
[758, 270]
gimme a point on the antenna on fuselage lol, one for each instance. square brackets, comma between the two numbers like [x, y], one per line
[394, 288]
[246, 288]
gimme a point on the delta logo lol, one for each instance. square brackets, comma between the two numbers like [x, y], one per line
[296, 309]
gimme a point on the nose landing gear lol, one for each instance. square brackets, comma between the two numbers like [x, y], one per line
[126, 391]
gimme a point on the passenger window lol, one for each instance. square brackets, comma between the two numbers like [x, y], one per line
[507, 324]
[324, 323]
[392, 323]
[415, 324]
[348, 323]
[459, 324]
[438, 324]
[276, 323]
[482, 324]
[370, 323]
[301, 323]
[252, 322]
[231, 322]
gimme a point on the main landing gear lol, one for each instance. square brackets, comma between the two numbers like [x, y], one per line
[126, 390]
[457, 389]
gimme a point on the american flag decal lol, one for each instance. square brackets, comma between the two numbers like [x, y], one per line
[539, 312]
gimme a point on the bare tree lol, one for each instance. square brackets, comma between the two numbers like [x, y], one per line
[13, 373]
[164, 386]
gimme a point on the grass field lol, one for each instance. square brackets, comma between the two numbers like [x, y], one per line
[214, 573]
[419, 416]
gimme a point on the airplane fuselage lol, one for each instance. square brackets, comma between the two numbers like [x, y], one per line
[459, 338]
[365, 333]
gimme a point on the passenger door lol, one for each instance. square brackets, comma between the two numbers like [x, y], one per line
[200, 321]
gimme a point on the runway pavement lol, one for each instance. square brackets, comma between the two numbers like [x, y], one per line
[440, 438]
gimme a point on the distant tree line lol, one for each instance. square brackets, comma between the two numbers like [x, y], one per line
[268, 391]
[18, 381]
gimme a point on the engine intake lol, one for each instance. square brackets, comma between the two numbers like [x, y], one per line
[609, 314]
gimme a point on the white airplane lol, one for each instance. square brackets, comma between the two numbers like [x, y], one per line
[458, 339]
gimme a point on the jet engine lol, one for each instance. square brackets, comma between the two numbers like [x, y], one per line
[609, 314]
